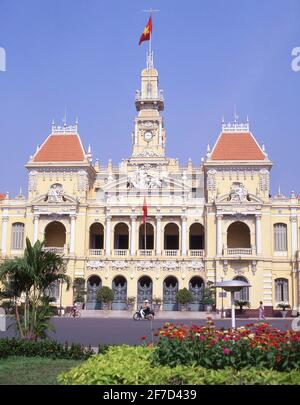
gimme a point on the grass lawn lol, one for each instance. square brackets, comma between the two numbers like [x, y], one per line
[17, 370]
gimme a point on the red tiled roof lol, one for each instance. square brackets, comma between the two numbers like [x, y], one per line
[2, 196]
[237, 146]
[60, 148]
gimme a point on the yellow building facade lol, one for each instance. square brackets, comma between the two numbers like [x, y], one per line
[206, 223]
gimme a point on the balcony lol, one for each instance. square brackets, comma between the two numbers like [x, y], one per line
[96, 252]
[147, 252]
[121, 252]
[239, 251]
[55, 249]
[196, 253]
[171, 252]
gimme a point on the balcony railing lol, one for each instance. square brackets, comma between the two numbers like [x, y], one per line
[55, 249]
[238, 251]
[171, 252]
[96, 252]
[196, 252]
[147, 252]
[121, 252]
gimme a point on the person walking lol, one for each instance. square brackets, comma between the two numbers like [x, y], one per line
[261, 311]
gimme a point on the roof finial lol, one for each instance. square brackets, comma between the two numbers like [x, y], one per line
[279, 191]
[235, 115]
[65, 117]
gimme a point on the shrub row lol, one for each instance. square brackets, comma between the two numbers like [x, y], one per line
[259, 346]
[45, 348]
[132, 365]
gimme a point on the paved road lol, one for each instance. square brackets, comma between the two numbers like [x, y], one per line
[92, 331]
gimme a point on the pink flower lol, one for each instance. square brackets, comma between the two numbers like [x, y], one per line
[226, 351]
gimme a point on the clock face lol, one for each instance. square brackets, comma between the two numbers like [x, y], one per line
[148, 136]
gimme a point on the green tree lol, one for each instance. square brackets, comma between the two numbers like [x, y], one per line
[28, 278]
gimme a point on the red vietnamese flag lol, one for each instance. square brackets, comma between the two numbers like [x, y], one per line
[145, 211]
[147, 31]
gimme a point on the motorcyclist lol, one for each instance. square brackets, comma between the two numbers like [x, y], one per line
[145, 310]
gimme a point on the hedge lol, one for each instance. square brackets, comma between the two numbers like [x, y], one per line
[45, 348]
[132, 365]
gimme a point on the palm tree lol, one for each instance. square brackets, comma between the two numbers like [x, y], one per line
[30, 276]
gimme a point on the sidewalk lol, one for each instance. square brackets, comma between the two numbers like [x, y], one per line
[168, 315]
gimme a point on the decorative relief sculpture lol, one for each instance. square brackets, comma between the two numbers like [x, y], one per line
[141, 179]
[55, 193]
[238, 193]
[145, 265]
[169, 265]
[82, 181]
[196, 265]
[119, 264]
[94, 264]
[211, 180]
[264, 180]
[32, 186]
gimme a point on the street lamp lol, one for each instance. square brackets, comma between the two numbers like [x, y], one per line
[232, 286]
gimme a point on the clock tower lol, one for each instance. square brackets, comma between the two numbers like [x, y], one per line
[149, 136]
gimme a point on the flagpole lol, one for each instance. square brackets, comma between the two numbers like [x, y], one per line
[145, 238]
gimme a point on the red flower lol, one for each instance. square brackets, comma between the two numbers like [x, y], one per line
[226, 351]
[143, 337]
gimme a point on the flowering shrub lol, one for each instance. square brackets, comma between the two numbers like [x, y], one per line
[131, 365]
[258, 345]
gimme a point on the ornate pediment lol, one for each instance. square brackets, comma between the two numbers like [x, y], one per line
[145, 179]
[238, 195]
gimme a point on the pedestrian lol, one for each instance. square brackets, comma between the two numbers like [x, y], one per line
[261, 311]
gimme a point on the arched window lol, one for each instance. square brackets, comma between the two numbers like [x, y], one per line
[121, 236]
[196, 235]
[17, 240]
[171, 236]
[281, 290]
[243, 294]
[149, 237]
[53, 291]
[55, 234]
[280, 237]
[96, 236]
[238, 235]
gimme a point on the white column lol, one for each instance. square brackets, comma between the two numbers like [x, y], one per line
[183, 235]
[4, 234]
[72, 235]
[294, 234]
[299, 290]
[258, 234]
[35, 227]
[158, 235]
[107, 236]
[219, 234]
[133, 235]
[232, 310]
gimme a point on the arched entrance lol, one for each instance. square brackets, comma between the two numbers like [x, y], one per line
[171, 237]
[196, 237]
[149, 237]
[96, 236]
[55, 235]
[144, 287]
[121, 236]
[119, 286]
[170, 290]
[92, 286]
[243, 294]
[196, 287]
[238, 235]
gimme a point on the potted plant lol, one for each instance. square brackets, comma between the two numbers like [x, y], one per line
[79, 291]
[283, 306]
[156, 303]
[105, 295]
[208, 299]
[241, 304]
[184, 296]
[130, 303]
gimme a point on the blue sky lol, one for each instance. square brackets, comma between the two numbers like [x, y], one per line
[211, 55]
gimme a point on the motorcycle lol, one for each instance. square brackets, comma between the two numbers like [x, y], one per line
[138, 317]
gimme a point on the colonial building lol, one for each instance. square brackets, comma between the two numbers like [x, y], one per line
[205, 223]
